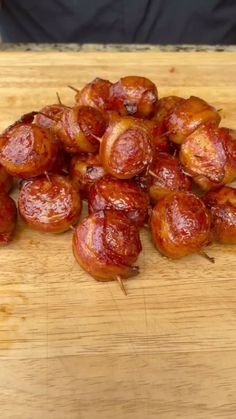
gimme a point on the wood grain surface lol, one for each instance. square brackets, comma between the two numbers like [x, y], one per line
[73, 348]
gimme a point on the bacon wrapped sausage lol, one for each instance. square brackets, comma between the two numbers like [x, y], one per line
[27, 150]
[187, 115]
[222, 204]
[123, 196]
[125, 149]
[95, 94]
[209, 155]
[78, 129]
[164, 106]
[49, 204]
[49, 115]
[106, 245]
[180, 225]
[133, 95]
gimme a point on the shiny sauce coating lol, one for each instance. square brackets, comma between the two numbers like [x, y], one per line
[49, 115]
[164, 106]
[85, 170]
[78, 128]
[159, 140]
[123, 196]
[125, 148]
[169, 177]
[27, 150]
[6, 180]
[134, 96]
[95, 94]
[106, 245]
[8, 217]
[187, 115]
[209, 155]
[180, 225]
[50, 205]
[222, 204]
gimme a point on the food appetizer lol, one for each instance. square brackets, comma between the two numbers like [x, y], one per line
[138, 160]
[8, 215]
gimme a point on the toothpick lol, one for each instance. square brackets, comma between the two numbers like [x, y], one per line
[121, 284]
[153, 174]
[97, 138]
[205, 255]
[73, 88]
[166, 133]
[58, 98]
[47, 176]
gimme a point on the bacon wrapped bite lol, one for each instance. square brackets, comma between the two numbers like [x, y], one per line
[27, 150]
[95, 94]
[124, 196]
[79, 128]
[135, 96]
[187, 115]
[126, 148]
[209, 156]
[106, 245]
[49, 204]
[222, 204]
[180, 225]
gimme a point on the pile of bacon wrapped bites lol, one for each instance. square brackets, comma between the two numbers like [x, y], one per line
[136, 160]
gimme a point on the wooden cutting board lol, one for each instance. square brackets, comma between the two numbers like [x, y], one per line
[73, 348]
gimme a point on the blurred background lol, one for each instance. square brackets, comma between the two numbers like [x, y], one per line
[119, 21]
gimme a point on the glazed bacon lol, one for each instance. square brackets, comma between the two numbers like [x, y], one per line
[125, 149]
[6, 180]
[49, 115]
[49, 204]
[61, 164]
[165, 106]
[106, 245]
[78, 129]
[27, 150]
[157, 134]
[222, 204]
[123, 196]
[187, 115]
[180, 225]
[8, 216]
[85, 170]
[95, 94]
[135, 96]
[209, 155]
[167, 176]
[143, 180]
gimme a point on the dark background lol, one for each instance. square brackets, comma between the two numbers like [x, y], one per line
[119, 21]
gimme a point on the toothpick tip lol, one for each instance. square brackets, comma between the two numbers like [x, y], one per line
[121, 284]
[73, 88]
[152, 174]
[205, 255]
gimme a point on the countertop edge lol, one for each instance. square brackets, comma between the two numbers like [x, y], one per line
[112, 47]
